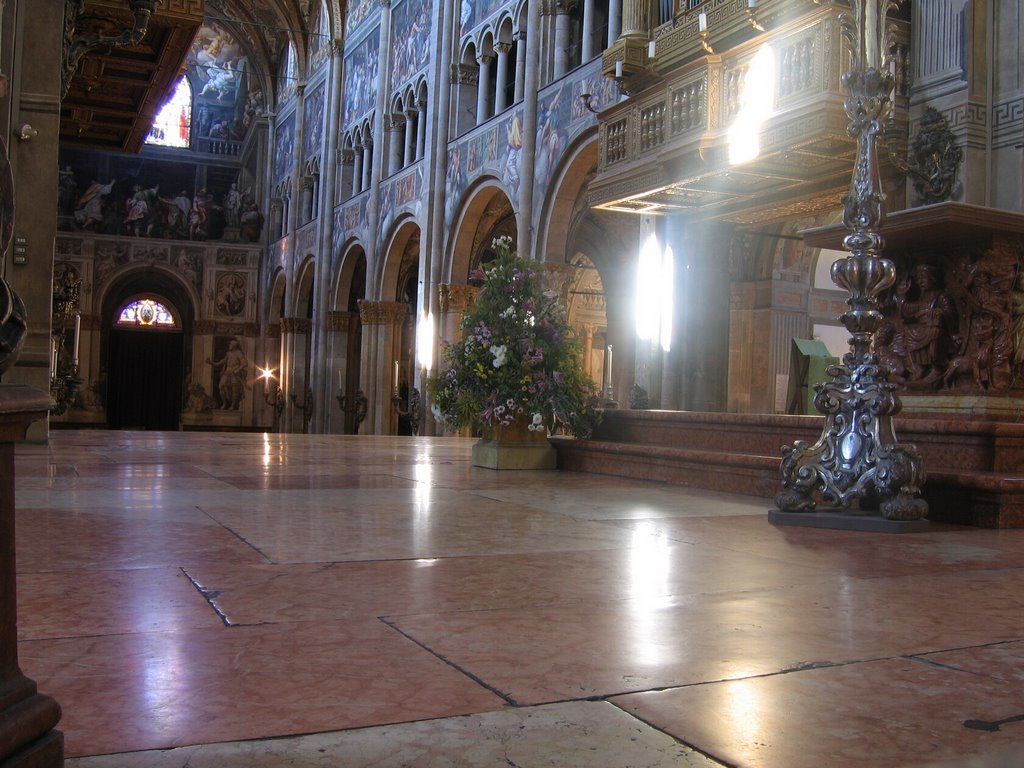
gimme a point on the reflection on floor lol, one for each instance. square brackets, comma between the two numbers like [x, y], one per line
[223, 600]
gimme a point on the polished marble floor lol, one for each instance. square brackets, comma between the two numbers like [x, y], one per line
[253, 601]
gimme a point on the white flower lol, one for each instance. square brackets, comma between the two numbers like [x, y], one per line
[500, 352]
[508, 312]
[538, 418]
[438, 416]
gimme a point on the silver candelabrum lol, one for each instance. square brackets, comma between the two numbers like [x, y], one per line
[857, 457]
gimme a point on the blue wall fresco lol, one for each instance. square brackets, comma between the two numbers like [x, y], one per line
[313, 122]
[361, 78]
[410, 49]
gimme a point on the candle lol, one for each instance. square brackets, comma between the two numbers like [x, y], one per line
[618, 69]
[870, 33]
[650, 49]
[341, 384]
[609, 365]
[751, 3]
[396, 378]
[53, 356]
[78, 338]
[702, 22]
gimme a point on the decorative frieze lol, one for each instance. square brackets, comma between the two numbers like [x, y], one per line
[456, 297]
[382, 312]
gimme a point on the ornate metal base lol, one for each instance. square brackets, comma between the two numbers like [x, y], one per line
[857, 457]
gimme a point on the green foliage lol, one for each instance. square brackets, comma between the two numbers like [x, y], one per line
[517, 357]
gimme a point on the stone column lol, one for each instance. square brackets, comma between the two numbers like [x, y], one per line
[421, 128]
[342, 419]
[357, 169]
[395, 133]
[562, 10]
[453, 301]
[587, 44]
[483, 95]
[410, 137]
[520, 65]
[367, 166]
[614, 21]
[382, 323]
[27, 717]
[500, 99]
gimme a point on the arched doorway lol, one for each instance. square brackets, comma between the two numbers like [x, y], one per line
[147, 319]
[144, 365]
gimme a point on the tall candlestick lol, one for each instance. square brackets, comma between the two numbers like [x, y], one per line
[78, 338]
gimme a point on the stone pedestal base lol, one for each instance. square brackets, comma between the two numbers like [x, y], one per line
[45, 752]
[846, 520]
[510, 454]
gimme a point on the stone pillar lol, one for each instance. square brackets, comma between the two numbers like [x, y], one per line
[520, 65]
[382, 323]
[587, 44]
[395, 132]
[614, 21]
[27, 717]
[421, 129]
[410, 138]
[562, 10]
[500, 90]
[357, 169]
[340, 382]
[483, 95]
[367, 166]
[453, 301]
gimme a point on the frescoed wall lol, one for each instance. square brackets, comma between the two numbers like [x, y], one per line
[136, 196]
[313, 122]
[411, 36]
[284, 148]
[401, 193]
[361, 78]
[472, 12]
[358, 12]
[225, 101]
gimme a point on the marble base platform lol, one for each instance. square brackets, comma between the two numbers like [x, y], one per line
[510, 454]
[846, 520]
[975, 468]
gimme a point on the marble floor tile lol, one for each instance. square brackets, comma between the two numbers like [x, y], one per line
[464, 526]
[89, 541]
[240, 599]
[258, 594]
[594, 734]
[897, 712]
[122, 693]
[543, 654]
[110, 602]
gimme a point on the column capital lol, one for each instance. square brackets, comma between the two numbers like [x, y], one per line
[341, 321]
[456, 297]
[382, 312]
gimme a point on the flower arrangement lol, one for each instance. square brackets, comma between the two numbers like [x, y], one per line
[517, 359]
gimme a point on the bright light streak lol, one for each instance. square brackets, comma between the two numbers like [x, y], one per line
[757, 101]
[425, 341]
[647, 289]
[667, 280]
